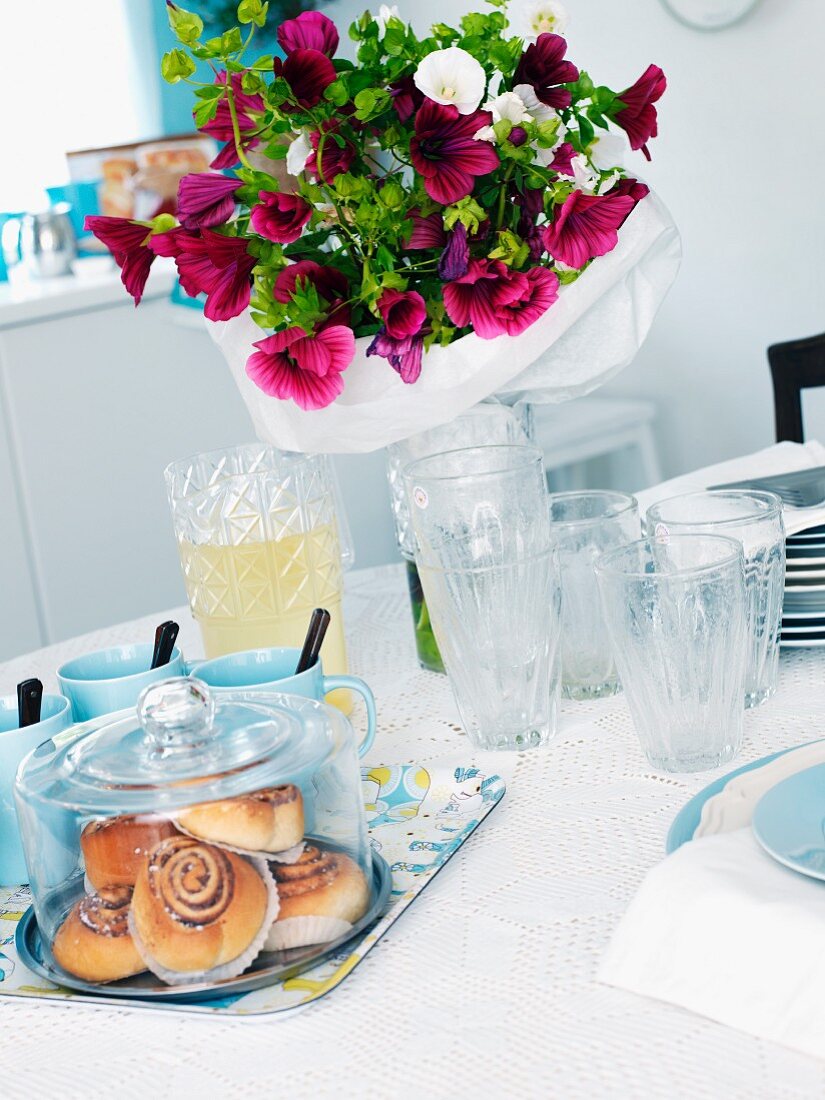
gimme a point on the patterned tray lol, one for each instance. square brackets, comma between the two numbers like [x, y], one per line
[417, 819]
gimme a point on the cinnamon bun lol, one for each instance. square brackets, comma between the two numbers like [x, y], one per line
[198, 911]
[269, 820]
[320, 897]
[114, 849]
[94, 942]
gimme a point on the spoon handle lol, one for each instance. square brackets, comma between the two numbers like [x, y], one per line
[29, 702]
[314, 638]
[165, 637]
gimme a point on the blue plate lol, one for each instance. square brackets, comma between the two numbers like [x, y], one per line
[789, 822]
[687, 820]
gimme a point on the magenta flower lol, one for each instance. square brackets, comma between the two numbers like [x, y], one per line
[280, 217]
[308, 73]
[445, 152]
[496, 300]
[455, 258]
[428, 232]
[335, 158]
[331, 284]
[632, 188]
[128, 243]
[543, 65]
[406, 97]
[213, 264]
[206, 198]
[562, 161]
[248, 107]
[586, 226]
[403, 312]
[404, 356]
[306, 368]
[637, 116]
[309, 31]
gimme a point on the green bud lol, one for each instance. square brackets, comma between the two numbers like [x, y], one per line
[187, 26]
[252, 11]
[176, 65]
[392, 195]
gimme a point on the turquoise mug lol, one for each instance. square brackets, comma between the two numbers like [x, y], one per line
[15, 743]
[112, 679]
[273, 669]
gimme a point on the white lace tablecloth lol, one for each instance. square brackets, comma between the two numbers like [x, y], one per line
[486, 986]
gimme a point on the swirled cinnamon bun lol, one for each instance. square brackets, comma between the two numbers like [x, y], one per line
[197, 908]
[114, 849]
[320, 897]
[94, 942]
[269, 820]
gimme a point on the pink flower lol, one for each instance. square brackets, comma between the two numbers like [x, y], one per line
[455, 258]
[248, 107]
[637, 116]
[562, 161]
[206, 198]
[331, 284]
[335, 158]
[406, 97]
[634, 189]
[445, 152]
[496, 300]
[305, 368]
[280, 217]
[586, 226]
[309, 31]
[213, 264]
[543, 65]
[128, 243]
[404, 356]
[403, 312]
[308, 73]
[428, 232]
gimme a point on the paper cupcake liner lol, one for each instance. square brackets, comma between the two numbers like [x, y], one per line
[304, 931]
[288, 855]
[229, 969]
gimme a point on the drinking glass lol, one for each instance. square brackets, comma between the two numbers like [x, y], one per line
[489, 575]
[583, 526]
[484, 424]
[755, 520]
[675, 611]
[260, 546]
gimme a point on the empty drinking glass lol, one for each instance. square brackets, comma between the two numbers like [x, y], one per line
[489, 575]
[583, 526]
[675, 612]
[755, 520]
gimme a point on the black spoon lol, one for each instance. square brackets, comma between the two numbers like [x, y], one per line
[29, 702]
[316, 630]
[165, 638]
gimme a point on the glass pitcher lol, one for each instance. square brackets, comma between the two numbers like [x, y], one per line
[262, 542]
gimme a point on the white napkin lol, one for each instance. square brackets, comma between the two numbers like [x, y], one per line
[722, 929]
[778, 459]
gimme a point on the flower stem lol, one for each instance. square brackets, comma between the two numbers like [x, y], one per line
[236, 130]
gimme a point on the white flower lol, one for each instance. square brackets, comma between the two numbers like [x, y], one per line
[508, 105]
[586, 178]
[452, 76]
[540, 111]
[486, 133]
[297, 154]
[607, 151]
[495, 83]
[543, 17]
[385, 14]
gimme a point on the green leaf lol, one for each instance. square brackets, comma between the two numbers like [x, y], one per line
[337, 93]
[276, 151]
[468, 212]
[252, 11]
[163, 222]
[211, 91]
[502, 129]
[263, 64]
[187, 26]
[586, 131]
[392, 195]
[176, 65]
[394, 39]
[385, 257]
[205, 112]
[231, 40]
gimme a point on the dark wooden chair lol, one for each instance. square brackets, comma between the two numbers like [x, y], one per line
[795, 366]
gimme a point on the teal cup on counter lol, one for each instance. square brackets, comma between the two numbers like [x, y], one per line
[15, 743]
[273, 670]
[112, 679]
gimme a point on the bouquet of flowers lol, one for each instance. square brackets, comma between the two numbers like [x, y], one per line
[439, 191]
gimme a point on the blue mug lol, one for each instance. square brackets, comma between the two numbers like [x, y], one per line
[112, 679]
[15, 743]
[273, 669]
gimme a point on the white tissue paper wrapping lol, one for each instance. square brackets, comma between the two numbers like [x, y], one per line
[592, 332]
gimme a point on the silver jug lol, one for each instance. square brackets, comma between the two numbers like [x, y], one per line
[48, 244]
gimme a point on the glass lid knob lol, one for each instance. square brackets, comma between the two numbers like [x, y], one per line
[177, 714]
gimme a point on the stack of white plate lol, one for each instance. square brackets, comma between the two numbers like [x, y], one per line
[803, 613]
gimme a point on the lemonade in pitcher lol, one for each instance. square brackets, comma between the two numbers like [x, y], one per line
[259, 544]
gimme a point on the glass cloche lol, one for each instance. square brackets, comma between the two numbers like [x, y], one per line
[192, 838]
